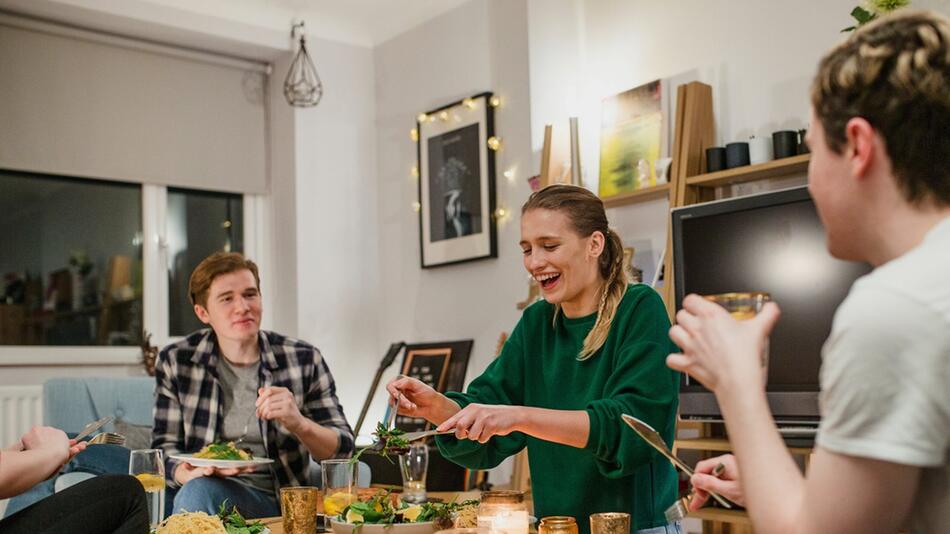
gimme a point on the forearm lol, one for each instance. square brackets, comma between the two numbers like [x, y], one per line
[773, 486]
[442, 410]
[21, 470]
[567, 427]
[321, 441]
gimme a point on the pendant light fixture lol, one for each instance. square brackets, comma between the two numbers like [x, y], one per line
[302, 87]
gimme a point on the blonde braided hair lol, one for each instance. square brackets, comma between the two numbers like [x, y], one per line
[586, 214]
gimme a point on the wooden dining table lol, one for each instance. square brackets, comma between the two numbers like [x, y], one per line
[275, 524]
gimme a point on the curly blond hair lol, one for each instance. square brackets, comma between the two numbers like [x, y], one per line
[894, 73]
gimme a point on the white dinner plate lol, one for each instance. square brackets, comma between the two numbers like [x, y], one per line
[340, 527]
[223, 464]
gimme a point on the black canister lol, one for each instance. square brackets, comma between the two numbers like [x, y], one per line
[737, 155]
[802, 145]
[715, 159]
[784, 144]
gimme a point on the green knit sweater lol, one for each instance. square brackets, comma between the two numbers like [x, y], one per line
[616, 471]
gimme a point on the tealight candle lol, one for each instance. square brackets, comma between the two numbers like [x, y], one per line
[503, 512]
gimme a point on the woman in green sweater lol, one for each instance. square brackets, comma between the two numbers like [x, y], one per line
[594, 348]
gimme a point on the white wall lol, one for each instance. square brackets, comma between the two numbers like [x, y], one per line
[759, 57]
[479, 46]
[337, 278]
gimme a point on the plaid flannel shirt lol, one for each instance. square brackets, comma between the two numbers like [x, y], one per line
[188, 409]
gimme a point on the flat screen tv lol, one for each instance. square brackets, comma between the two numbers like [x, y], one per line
[771, 242]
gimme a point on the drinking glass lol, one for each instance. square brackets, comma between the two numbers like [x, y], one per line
[610, 523]
[413, 466]
[298, 509]
[148, 466]
[339, 485]
[742, 307]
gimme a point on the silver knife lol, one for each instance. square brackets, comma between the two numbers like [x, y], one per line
[414, 436]
[93, 426]
[653, 438]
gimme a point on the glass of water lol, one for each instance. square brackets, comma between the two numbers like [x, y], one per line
[413, 466]
[148, 466]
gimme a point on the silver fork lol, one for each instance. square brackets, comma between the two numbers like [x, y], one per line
[389, 424]
[247, 425]
[391, 421]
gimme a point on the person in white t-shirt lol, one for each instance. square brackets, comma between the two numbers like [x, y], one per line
[880, 178]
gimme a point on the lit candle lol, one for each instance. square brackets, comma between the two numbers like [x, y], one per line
[503, 512]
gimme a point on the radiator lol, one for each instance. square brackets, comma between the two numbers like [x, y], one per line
[21, 407]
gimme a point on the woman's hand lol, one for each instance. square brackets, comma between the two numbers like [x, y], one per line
[52, 441]
[420, 400]
[726, 484]
[278, 403]
[716, 347]
[479, 422]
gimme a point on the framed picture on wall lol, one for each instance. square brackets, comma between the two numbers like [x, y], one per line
[457, 182]
[440, 365]
[633, 139]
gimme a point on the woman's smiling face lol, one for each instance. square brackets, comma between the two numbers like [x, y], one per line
[563, 262]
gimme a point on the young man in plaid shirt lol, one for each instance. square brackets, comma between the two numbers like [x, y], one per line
[236, 382]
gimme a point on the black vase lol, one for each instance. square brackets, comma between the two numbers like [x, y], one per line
[715, 159]
[784, 144]
[737, 155]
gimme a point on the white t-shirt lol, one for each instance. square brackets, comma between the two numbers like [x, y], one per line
[885, 376]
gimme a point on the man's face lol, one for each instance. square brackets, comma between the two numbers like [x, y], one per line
[833, 188]
[234, 306]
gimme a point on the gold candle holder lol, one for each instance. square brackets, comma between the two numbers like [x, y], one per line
[298, 509]
[610, 523]
[503, 512]
[558, 524]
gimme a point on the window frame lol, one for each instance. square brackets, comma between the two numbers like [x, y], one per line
[155, 307]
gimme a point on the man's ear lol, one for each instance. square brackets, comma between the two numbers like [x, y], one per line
[862, 148]
[202, 314]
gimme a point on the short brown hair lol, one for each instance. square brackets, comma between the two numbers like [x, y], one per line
[894, 73]
[213, 266]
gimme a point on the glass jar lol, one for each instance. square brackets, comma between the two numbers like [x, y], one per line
[503, 512]
[558, 524]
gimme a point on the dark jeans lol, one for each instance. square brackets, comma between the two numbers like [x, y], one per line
[205, 494]
[108, 504]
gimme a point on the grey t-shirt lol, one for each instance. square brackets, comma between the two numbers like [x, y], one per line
[885, 377]
[239, 393]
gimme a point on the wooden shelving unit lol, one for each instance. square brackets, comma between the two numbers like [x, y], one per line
[640, 195]
[750, 173]
[722, 445]
[722, 515]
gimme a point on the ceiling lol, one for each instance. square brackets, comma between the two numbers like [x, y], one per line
[255, 29]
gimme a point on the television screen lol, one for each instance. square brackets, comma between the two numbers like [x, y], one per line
[773, 242]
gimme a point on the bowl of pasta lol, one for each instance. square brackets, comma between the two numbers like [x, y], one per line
[224, 522]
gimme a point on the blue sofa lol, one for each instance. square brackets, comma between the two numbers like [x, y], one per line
[70, 403]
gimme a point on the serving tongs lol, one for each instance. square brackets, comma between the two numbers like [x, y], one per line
[652, 437]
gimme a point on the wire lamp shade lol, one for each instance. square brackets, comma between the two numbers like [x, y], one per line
[302, 87]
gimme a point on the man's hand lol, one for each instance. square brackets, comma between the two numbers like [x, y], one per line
[479, 422]
[718, 348]
[278, 403]
[185, 472]
[727, 484]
